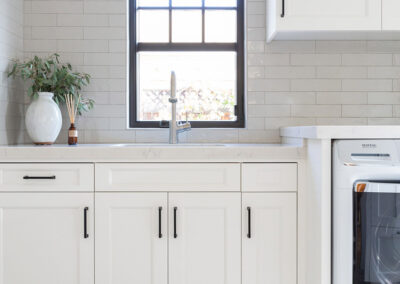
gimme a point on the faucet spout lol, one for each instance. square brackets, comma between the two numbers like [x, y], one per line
[175, 127]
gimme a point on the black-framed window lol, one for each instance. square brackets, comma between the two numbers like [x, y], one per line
[203, 42]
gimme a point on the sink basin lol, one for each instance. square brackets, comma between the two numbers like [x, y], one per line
[169, 145]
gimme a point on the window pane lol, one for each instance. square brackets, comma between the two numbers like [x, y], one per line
[206, 85]
[220, 26]
[153, 3]
[186, 3]
[220, 3]
[153, 26]
[186, 26]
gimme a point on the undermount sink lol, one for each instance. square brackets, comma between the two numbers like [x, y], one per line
[169, 145]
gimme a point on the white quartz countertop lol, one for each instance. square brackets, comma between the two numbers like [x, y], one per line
[153, 153]
[343, 132]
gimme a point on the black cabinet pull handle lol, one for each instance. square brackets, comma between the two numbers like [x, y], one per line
[249, 222]
[85, 232]
[283, 9]
[175, 234]
[39, 177]
[159, 222]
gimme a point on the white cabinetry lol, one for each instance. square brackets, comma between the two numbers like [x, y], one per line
[46, 238]
[131, 238]
[176, 223]
[269, 238]
[324, 19]
[390, 15]
[204, 238]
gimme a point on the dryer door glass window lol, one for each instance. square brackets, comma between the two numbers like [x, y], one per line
[376, 233]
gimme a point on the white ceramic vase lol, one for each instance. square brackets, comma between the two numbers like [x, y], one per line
[43, 119]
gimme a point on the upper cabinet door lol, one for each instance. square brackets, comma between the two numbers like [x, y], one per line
[131, 238]
[204, 238]
[46, 238]
[390, 15]
[288, 16]
[269, 234]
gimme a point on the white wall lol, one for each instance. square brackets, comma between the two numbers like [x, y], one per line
[289, 83]
[11, 96]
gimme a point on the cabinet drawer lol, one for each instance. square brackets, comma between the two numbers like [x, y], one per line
[269, 177]
[168, 177]
[46, 177]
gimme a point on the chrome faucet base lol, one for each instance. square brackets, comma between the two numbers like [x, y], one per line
[175, 127]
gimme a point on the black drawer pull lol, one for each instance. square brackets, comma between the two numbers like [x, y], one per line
[249, 222]
[283, 9]
[175, 233]
[159, 222]
[39, 177]
[85, 232]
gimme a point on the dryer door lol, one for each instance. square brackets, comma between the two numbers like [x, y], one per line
[376, 232]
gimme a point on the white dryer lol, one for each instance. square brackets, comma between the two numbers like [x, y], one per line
[366, 212]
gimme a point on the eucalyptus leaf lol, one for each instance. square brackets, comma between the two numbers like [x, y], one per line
[50, 75]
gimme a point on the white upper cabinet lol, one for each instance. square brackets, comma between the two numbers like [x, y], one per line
[287, 19]
[390, 15]
[131, 238]
[204, 238]
[46, 238]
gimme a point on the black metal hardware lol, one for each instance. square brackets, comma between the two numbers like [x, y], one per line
[159, 222]
[283, 9]
[39, 177]
[249, 222]
[175, 234]
[85, 232]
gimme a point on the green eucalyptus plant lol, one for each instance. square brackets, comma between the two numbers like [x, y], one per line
[49, 75]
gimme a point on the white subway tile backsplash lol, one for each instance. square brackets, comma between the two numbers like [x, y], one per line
[367, 110]
[315, 59]
[367, 59]
[341, 46]
[316, 110]
[61, 7]
[287, 82]
[289, 72]
[367, 85]
[316, 85]
[342, 98]
[290, 47]
[344, 72]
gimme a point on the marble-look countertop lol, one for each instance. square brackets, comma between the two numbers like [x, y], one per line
[343, 132]
[153, 153]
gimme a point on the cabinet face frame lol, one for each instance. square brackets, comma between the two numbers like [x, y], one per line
[45, 244]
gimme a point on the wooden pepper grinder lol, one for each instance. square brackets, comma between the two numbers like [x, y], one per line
[72, 109]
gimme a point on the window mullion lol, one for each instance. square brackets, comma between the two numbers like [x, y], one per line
[202, 21]
[170, 20]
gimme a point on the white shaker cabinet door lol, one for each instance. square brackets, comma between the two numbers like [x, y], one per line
[204, 238]
[269, 238]
[327, 15]
[46, 238]
[131, 238]
[390, 15]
